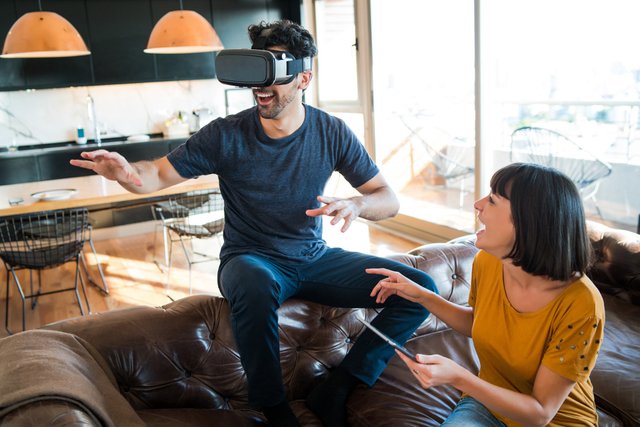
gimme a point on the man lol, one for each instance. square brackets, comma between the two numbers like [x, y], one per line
[273, 161]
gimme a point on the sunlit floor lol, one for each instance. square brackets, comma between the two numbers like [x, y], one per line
[136, 275]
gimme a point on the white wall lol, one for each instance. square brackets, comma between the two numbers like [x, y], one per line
[52, 115]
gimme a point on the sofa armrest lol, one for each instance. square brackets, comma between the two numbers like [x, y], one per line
[45, 413]
[44, 372]
[616, 268]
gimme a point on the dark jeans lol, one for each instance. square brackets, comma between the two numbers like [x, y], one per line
[256, 286]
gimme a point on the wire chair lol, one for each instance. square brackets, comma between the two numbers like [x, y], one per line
[194, 215]
[41, 241]
[550, 148]
[445, 159]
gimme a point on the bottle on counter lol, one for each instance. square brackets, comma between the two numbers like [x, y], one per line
[81, 138]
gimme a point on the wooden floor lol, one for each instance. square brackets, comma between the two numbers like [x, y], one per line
[135, 275]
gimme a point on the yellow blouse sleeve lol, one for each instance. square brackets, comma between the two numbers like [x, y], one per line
[573, 347]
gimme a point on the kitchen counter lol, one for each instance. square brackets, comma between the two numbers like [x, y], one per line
[51, 161]
[26, 150]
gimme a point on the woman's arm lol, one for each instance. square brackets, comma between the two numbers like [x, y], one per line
[458, 317]
[550, 390]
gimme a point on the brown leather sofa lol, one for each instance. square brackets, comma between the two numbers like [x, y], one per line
[177, 365]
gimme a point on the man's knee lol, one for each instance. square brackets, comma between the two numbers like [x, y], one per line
[245, 279]
[421, 278]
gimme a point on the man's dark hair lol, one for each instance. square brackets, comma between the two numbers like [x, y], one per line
[294, 37]
[548, 216]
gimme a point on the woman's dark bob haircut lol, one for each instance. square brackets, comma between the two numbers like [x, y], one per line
[548, 216]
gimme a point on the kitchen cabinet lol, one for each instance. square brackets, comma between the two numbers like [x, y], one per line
[119, 33]
[233, 18]
[45, 163]
[116, 32]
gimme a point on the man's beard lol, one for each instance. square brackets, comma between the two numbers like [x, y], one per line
[276, 106]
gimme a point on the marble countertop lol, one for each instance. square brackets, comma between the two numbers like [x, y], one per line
[35, 149]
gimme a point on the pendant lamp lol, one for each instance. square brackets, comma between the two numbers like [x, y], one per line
[43, 35]
[183, 31]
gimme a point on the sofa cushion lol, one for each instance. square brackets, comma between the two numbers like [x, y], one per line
[617, 372]
[198, 417]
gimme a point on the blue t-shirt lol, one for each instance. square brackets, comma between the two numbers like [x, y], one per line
[267, 184]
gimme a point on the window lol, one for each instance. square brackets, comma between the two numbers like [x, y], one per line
[565, 66]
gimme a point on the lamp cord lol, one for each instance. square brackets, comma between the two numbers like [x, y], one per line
[40, 5]
[181, 8]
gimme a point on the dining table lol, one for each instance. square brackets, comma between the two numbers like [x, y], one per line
[93, 192]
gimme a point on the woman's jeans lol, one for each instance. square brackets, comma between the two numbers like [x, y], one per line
[471, 413]
[256, 286]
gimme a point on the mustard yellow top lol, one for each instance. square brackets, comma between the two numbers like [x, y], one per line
[564, 336]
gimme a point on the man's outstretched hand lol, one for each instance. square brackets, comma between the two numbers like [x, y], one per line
[110, 165]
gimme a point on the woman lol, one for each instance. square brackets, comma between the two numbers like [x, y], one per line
[535, 318]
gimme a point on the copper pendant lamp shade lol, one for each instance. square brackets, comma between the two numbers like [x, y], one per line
[43, 35]
[183, 31]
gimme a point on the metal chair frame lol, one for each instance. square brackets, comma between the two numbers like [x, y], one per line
[550, 148]
[194, 215]
[448, 167]
[41, 241]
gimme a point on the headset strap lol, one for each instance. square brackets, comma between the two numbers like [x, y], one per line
[299, 65]
[259, 43]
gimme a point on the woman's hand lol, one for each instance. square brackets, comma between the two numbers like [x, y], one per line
[432, 370]
[111, 165]
[395, 284]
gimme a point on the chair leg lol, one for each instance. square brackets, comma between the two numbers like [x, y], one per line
[36, 297]
[186, 254]
[6, 312]
[84, 290]
[169, 263]
[166, 245]
[22, 297]
[75, 287]
[104, 287]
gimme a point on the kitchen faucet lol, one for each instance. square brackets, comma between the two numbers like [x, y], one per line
[91, 110]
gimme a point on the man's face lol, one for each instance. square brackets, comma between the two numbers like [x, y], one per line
[274, 99]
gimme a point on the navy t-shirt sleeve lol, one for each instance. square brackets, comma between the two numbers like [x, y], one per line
[198, 155]
[354, 163]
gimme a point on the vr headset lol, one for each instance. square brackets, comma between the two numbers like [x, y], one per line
[258, 67]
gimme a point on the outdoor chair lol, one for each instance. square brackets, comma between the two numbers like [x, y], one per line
[187, 217]
[41, 241]
[446, 152]
[550, 148]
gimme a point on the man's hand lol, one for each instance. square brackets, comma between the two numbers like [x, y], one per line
[341, 209]
[110, 165]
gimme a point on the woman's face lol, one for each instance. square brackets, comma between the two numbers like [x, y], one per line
[498, 234]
